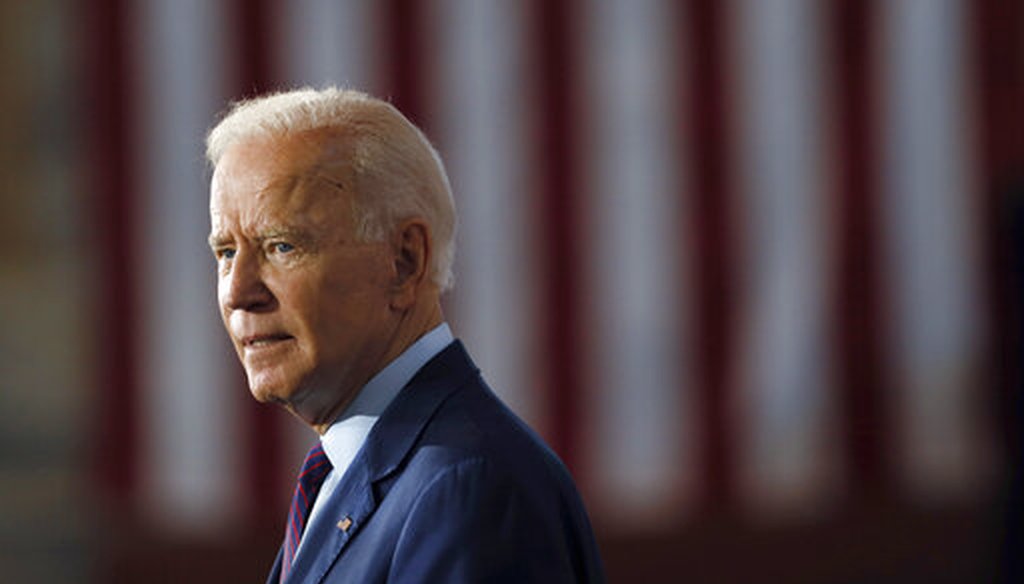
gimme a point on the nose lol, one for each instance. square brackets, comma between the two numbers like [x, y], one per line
[243, 286]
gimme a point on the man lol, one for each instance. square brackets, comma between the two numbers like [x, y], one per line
[333, 226]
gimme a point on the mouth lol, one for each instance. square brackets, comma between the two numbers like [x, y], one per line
[265, 340]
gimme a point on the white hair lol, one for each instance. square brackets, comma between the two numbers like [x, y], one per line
[396, 173]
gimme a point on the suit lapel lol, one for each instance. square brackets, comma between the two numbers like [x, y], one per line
[387, 446]
[349, 507]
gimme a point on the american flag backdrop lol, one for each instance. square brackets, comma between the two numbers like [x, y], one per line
[726, 256]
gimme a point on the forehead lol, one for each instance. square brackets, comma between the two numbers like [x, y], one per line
[261, 181]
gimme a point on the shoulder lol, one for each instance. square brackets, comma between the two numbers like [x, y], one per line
[473, 521]
[474, 427]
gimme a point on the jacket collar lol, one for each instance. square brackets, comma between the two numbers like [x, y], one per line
[387, 446]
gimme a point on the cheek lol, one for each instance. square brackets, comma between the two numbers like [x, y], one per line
[333, 307]
[336, 317]
[301, 310]
[220, 296]
[221, 304]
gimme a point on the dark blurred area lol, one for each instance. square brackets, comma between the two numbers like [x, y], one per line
[754, 269]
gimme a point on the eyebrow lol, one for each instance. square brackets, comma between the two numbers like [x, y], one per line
[285, 231]
[217, 240]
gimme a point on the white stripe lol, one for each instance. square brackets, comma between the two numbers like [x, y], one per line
[927, 195]
[187, 369]
[785, 354]
[480, 101]
[326, 42]
[632, 216]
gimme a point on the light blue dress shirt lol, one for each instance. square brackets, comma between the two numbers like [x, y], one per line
[344, 438]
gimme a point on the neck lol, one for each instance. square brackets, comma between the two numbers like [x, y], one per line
[420, 319]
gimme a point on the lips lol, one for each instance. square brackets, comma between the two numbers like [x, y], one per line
[264, 340]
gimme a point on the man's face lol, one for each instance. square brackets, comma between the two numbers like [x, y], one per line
[305, 304]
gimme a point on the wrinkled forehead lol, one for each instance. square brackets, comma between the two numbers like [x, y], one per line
[310, 151]
[322, 155]
[280, 179]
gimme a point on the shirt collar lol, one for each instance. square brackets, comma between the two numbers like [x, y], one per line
[354, 423]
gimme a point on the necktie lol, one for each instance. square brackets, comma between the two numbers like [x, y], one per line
[311, 477]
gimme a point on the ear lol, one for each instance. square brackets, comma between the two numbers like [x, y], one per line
[413, 249]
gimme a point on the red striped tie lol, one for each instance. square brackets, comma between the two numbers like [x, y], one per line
[314, 469]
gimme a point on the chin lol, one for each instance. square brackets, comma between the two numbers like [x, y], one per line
[263, 395]
[268, 391]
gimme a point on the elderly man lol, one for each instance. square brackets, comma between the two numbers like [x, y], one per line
[332, 227]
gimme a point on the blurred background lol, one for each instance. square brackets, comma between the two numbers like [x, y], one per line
[752, 267]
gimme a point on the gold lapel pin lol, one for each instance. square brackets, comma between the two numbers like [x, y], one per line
[344, 524]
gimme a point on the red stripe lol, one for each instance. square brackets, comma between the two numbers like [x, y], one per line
[314, 467]
[714, 258]
[403, 83]
[999, 70]
[862, 380]
[305, 499]
[558, 178]
[296, 516]
[264, 433]
[998, 30]
[111, 91]
[292, 534]
[256, 66]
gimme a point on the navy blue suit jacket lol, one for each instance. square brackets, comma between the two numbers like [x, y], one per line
[450, 486]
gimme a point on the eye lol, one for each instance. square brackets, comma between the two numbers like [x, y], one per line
[282, 247]
[225, 253]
